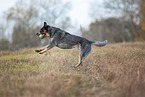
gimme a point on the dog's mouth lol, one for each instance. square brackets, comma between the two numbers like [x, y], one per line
[41, 36]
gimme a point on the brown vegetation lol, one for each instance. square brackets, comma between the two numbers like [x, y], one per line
[116, 70]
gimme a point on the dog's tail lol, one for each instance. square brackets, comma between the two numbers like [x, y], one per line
[100, 44]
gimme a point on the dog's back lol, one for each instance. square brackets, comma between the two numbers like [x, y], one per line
[64, 40]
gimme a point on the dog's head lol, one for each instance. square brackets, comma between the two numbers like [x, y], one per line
[44, 31]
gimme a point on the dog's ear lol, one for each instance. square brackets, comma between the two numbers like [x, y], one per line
[45, 24]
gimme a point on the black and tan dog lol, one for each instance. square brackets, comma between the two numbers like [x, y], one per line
[64, 40]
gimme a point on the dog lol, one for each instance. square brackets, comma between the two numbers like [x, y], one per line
[65, 40]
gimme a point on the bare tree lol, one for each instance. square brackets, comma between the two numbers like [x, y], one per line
[22, 15]
[112, 29]
[124, 25]
[141, 36]
[4, 35]
[4, 42]
[2, 31]
[128, 9]
[55, 12]
[28, 15]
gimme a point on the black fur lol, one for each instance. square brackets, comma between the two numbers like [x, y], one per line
[64, 40]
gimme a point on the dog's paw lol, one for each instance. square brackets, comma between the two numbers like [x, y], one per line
[37, 50]
[41, 52]
[77, 65]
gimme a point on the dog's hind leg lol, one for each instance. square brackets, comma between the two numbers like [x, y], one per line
[80, 61]
[84, 52]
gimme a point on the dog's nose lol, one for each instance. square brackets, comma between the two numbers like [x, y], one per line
[38, 33]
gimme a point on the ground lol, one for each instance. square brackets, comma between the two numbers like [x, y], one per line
[116, 70]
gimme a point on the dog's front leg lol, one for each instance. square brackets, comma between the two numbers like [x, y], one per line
[47, 48]
[38, 50]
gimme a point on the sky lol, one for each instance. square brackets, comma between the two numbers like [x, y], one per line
[78, 13]
[6, 4]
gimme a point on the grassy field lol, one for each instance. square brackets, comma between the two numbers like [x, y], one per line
[116, 70]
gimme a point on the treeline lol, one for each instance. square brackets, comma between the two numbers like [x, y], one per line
[25, 18]
[112, 29]
[129, 26]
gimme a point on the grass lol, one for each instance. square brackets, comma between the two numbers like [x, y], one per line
[116, 70]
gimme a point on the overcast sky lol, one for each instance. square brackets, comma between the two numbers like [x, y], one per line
[80, 10]
[78, 13]
[6, 4]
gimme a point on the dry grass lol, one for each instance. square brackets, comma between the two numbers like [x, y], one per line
[116, 70]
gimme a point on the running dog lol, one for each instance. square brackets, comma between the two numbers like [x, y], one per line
[64, 40]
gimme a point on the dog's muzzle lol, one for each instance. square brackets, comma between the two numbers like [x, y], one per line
[39, 35]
